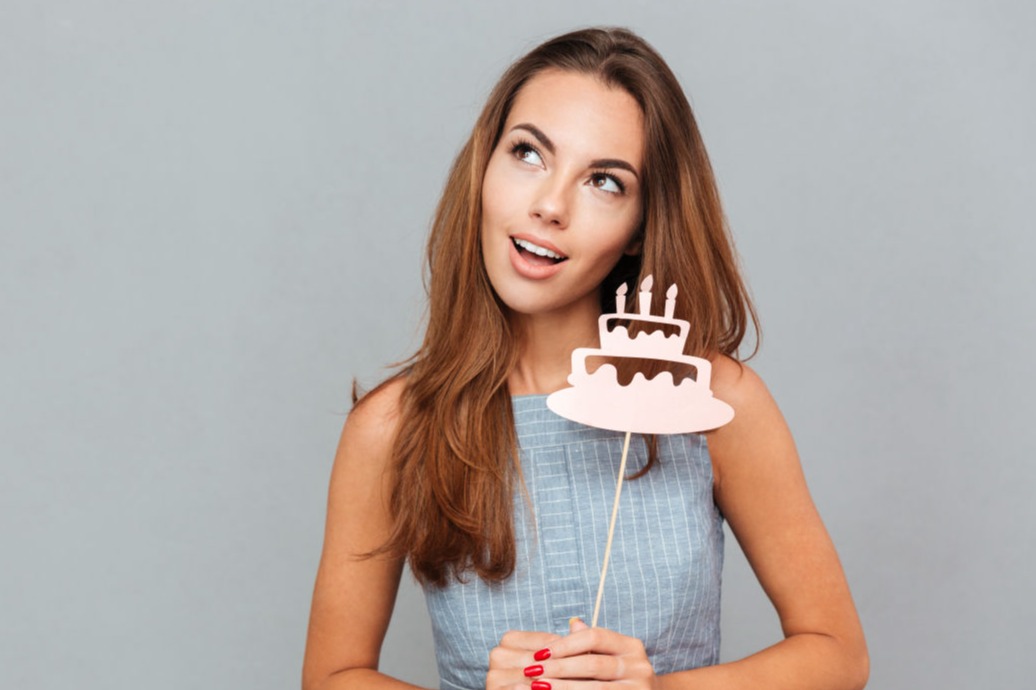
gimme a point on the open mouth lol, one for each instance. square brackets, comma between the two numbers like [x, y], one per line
[537, 255]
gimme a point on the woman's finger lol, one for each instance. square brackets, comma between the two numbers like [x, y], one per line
[583, 666]
[508, 679]
[512, 658]
[591, 658]
[509, 660]
[595, 640]
[528, 640]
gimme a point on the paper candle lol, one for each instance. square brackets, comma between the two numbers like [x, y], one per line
[670, 301]
[620, 299]
[645, 296]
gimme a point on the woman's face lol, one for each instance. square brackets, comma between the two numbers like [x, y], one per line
[561, 198]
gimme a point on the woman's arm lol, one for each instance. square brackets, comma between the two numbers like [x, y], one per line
[761, 490]
[353, 597]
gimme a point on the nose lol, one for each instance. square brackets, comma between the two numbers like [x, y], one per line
[551, 204]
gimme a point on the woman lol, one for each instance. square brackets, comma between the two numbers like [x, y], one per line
[585, 170]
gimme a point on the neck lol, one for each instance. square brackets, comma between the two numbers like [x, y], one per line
[545, 347]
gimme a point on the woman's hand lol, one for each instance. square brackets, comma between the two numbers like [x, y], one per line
[571, 662]
[516, 652]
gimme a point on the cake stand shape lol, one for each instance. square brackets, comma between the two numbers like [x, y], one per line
[644, 407]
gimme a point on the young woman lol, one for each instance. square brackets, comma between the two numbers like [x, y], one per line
[585, 170]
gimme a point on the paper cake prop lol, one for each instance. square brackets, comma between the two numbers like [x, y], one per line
[658, 405]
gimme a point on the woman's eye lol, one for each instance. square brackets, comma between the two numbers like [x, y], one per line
[606, 183]
[527, 154]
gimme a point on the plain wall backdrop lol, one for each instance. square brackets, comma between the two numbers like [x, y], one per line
[212, 218]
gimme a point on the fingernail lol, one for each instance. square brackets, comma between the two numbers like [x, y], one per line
[573, 619]
[533, 671]
[540, 685]
[541, 655]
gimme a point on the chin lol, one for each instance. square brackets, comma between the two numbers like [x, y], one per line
[523, 305]
[541, 300]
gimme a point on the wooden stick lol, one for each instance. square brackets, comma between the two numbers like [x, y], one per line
[611, 529]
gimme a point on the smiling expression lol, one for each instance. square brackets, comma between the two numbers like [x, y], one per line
[561, 199]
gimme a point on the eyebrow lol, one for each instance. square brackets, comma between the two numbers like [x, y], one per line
[598, 163]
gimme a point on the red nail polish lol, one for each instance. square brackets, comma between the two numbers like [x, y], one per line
[533, 671]
[541, 655]
[540, 685]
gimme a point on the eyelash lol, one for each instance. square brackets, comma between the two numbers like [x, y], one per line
[617, 181]
[521, 144]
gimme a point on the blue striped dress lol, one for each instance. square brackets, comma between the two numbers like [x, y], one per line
[663, 583]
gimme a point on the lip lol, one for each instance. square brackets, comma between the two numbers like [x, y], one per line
[528, 270]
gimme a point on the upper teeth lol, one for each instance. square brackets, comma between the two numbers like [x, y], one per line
[536, 249]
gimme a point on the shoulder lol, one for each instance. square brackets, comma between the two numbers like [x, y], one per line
[370, 429]
[758, 425]
[361, 476]
[737, 384]
[375, 416]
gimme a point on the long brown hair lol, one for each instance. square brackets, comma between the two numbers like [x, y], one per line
[455, 459]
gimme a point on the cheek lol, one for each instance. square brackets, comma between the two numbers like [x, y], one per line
[632, 238]
[623, 233]
[494, 193]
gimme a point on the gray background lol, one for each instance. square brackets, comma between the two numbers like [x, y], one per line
[211, 219]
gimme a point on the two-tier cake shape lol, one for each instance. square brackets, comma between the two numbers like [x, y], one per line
[659, 405]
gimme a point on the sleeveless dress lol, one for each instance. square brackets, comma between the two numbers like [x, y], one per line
[663, 583]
